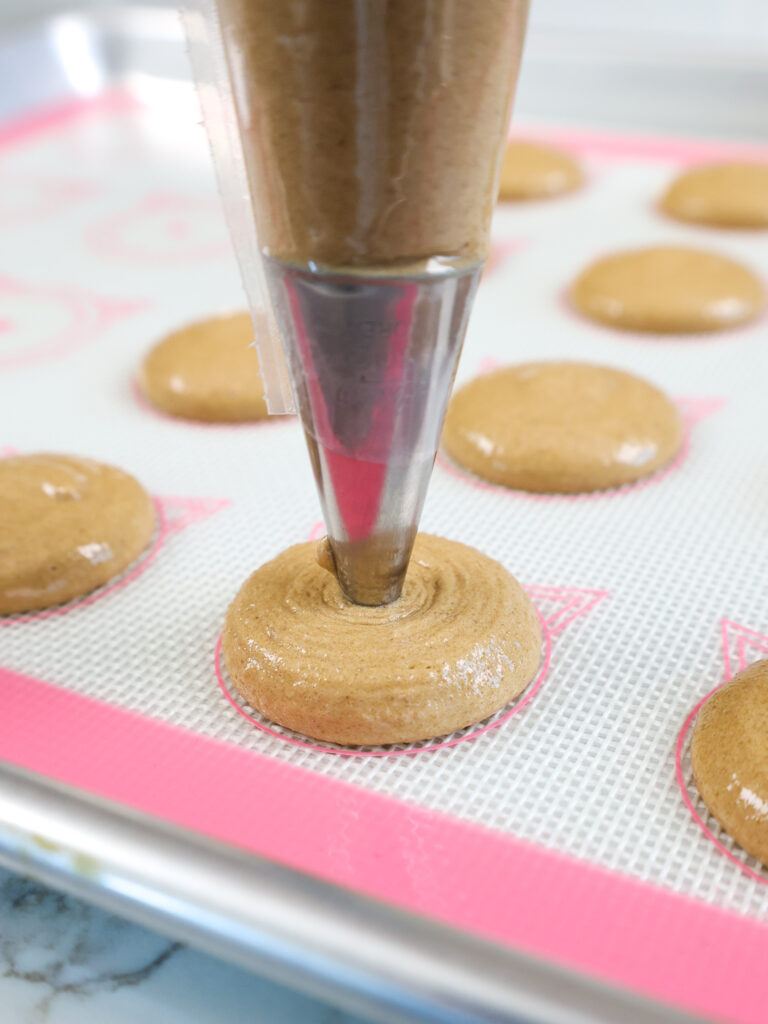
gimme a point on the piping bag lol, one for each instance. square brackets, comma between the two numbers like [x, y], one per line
[357, 145]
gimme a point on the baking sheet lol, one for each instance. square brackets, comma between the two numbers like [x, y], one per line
[633, 586]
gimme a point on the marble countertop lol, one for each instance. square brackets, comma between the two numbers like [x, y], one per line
[63, 961]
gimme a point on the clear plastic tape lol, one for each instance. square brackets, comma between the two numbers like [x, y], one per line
[211, 71]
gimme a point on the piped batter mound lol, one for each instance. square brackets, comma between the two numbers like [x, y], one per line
[668, 290]
[728, 195]
[207, 371]
[561, 428]
[67, 526]
[532, 171]
[461, 642]
[729, 755]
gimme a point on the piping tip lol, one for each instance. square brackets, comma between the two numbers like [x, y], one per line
[372, 359]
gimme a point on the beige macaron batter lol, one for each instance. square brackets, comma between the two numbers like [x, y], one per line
[533, 171]
[561, 428]
[461, 642]
[668, 290]
[67, 526]
[207, 371]
[729, 756]
[724, 195]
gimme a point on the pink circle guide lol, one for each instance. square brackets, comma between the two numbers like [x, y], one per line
[173, 515]
[738, 638]
[692, 410]
[527, 696]
[569, 602]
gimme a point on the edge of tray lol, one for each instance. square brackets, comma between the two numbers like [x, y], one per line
[335, 943]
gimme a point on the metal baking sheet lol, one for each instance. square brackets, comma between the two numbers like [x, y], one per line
[568, 876]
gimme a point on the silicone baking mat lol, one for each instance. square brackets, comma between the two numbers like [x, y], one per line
[563, 829]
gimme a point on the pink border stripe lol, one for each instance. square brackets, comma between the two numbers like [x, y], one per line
[604, 144]
[640, 147]
[674, 949]
[47, 118]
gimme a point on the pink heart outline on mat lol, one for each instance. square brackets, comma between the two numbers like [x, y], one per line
[50, 196]
[174, 514]
[174, 214]
[571, 602]
[742, 638]
[90, 316]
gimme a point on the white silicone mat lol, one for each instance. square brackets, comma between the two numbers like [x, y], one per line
[112, 235]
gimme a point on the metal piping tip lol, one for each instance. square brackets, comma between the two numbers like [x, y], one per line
[372, 360]
[373, 570]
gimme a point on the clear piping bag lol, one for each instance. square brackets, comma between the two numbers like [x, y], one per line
[217, 102]
[358, 145]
